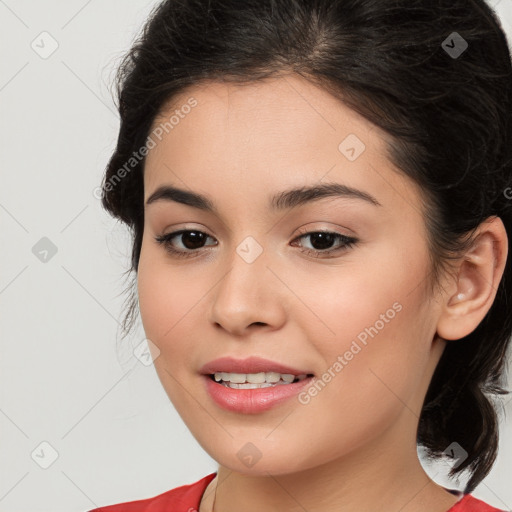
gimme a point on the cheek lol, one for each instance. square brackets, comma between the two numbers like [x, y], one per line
[167, 303]
[166, 295]
[172, 302]
[377, 330]
[374, 371]
[352, 302]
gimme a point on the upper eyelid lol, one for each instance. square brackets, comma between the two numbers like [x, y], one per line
[304, 232]
[302, 229]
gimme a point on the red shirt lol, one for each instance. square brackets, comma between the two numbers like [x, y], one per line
[187, 498]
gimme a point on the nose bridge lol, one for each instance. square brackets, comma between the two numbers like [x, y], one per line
[248, 291]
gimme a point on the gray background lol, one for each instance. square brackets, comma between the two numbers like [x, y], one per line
[99, 411]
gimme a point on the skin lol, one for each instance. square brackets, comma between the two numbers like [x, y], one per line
[353, 446]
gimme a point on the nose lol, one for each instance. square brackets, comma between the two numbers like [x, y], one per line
[248, 296]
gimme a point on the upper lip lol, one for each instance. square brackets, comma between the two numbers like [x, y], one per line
[249, 365]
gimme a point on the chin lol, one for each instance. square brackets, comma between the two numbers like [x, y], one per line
[263, 458]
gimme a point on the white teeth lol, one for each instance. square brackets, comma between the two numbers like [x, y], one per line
[272, 377]
[256, 380]
[237, 378]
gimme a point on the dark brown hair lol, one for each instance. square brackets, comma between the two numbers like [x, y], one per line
[403, 65]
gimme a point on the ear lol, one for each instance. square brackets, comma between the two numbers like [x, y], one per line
[479, 273]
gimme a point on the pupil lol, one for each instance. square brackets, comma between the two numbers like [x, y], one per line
[325, 240]
[195, 238]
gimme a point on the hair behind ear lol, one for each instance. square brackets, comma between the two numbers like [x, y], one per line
[457, 409]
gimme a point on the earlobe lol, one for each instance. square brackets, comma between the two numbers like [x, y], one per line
[479, 273]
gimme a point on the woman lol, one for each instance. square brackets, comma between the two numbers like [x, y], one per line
[319, 197]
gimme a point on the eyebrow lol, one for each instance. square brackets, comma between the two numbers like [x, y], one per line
[285, 200]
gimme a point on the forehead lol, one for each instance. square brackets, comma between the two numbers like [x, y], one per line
[288, 109]
[267, 135]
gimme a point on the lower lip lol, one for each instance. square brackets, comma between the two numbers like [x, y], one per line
[252, 401]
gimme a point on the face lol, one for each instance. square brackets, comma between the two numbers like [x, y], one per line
[331, 285]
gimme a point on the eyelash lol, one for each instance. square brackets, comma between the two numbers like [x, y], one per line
[347, 243]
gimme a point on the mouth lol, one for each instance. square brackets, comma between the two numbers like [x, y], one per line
[256, 380]
[252, 385]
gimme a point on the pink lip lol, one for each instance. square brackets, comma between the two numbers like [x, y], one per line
[249, 365]
[250, 401]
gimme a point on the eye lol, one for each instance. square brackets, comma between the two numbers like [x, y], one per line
[190, 241]
[321, 243]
